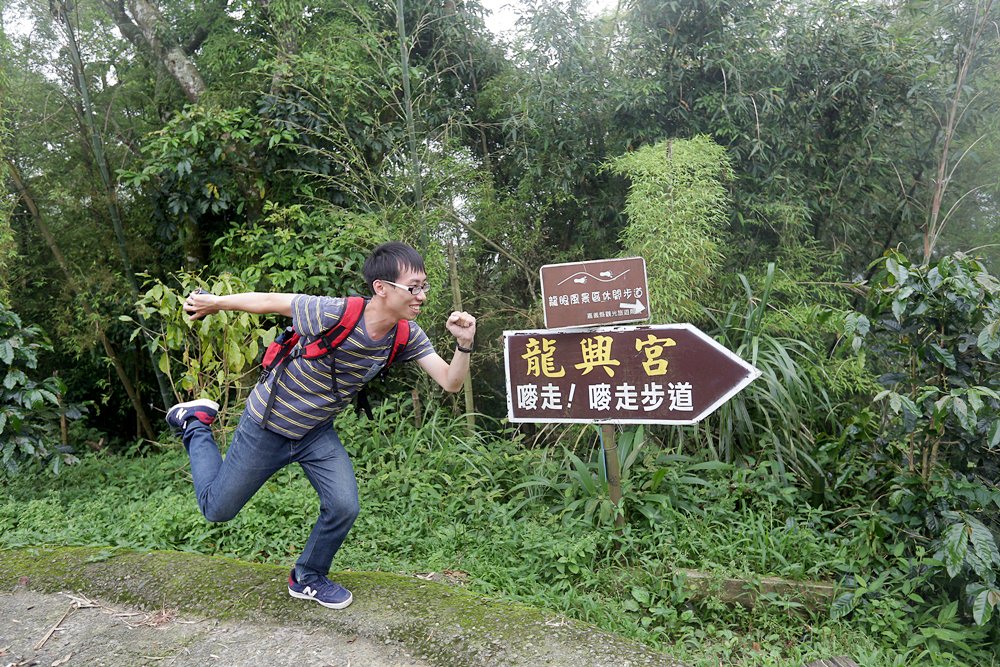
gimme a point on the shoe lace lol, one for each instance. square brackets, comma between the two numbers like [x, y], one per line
[324, 586]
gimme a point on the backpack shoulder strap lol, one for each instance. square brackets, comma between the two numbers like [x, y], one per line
[331, 339]
[399, 341]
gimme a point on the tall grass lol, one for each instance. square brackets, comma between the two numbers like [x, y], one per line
[774, 418]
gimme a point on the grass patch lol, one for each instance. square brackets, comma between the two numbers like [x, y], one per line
[435, 499]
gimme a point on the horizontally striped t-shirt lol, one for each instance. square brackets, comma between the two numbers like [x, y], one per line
[305, 397]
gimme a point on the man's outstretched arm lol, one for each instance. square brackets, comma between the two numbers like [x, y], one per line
[199, 304]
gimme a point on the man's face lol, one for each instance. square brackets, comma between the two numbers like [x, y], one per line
[402, 300]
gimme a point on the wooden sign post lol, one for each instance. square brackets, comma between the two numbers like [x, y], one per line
[576, 371]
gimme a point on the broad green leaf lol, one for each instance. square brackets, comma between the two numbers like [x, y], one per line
[993, 438]
[234, 356]
[32, 399]
[934, 278]
[955, 547]
[164, 363]
[989, 339]
[943, 356]
[909, 406]
[898, 271]
[640, 595]
[941, 409]
[14, 376]
[982, 606]
[982, 542]
[975, 401]
[856, 323]
[843, 605]
[961, 411]
[898, 308]
[947, 614]
[6, 352]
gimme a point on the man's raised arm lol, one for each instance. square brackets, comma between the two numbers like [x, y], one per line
[199, 304]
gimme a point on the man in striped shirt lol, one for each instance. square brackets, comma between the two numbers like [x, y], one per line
[304, 399]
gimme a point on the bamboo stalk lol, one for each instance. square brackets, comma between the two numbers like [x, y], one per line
[456, 297]
[613, 467]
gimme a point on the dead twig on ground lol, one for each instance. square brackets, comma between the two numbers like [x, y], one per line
[52, 630]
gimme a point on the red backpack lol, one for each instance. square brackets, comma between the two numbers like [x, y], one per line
[286, 347]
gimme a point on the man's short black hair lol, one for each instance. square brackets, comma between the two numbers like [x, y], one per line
[389, 260]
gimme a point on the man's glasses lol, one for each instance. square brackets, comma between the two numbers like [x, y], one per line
[416, 290]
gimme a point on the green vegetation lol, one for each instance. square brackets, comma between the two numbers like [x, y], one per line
[31, 409]
[437, 500]
[815, 184]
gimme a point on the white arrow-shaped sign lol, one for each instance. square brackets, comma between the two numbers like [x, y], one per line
[636, 307]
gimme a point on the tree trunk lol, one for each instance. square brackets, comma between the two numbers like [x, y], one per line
[411, 132]
[50, 240]
[935, 224]
[146, 28]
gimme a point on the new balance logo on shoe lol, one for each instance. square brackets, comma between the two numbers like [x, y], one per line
[202, 409]
[322, 590]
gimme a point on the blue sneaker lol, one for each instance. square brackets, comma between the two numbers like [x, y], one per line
[322, 590]
[202, 409]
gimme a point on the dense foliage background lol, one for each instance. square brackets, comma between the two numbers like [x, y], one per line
[814, 183]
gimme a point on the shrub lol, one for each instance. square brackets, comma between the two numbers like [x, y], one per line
[933, 331]
[30, 409]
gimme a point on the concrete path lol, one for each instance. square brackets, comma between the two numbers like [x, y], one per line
[47, 629]
[89, 606]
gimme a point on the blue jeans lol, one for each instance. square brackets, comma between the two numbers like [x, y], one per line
[223, 487]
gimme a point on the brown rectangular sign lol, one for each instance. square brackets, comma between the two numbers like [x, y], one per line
[666, 374]
[595, 293]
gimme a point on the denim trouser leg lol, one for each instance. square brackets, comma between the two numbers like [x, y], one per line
[224, 487]
[328, 467]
